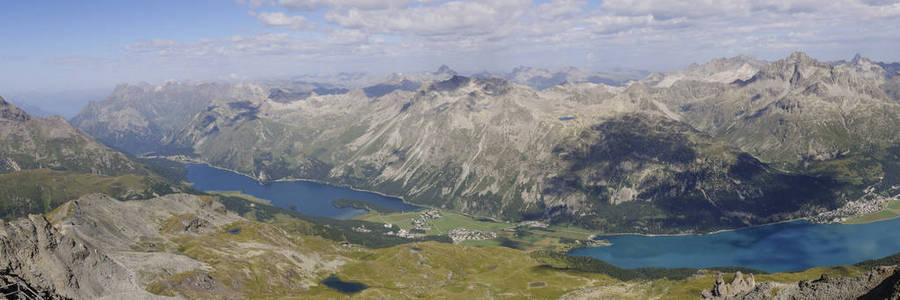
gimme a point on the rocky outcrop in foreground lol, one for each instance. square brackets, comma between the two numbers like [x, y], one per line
[738, 286]
[878, 283]
[87, 248]
[34, 254]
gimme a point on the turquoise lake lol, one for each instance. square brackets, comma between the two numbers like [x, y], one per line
[773, 248]
[309, 198]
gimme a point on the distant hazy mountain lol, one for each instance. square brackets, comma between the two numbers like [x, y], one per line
[360, 80]
[135, 118]
[64, 103]
[540, 79]
[29, 142]
[722, 70]
[728, 143]
[29, 108]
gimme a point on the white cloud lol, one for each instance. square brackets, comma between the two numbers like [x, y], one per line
[312, 5]
[650, 34]
[235, 46]
[559, 9]
[279, 19]
[347, 37]
[880, 2]
[449, 18]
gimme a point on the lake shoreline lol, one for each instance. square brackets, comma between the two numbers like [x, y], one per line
[187, 160]
[806, 219]
[402, 199]
[784, 247]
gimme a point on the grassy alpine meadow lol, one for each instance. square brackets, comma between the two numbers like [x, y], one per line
[258, 260]
[448, 221]
[522, 237]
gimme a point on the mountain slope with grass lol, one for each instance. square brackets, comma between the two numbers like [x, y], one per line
[198, 246]
[45, 162]
[29, 142]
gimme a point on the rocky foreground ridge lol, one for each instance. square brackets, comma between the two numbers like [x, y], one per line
[878, 283]
[190, 246]
[97, 247]
[58, 266]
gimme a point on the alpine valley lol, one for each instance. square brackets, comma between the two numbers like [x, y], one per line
[502, 175]
[731, 143]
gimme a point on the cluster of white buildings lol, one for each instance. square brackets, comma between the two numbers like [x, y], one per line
[462, 234]
[853, 208]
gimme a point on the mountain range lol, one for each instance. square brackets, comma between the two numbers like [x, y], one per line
[710, 148]
[45, 162]
[730, 143]
[31, 142]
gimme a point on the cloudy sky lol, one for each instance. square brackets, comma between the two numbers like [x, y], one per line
[67, 45]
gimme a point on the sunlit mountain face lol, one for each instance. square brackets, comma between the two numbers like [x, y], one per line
[468, 149]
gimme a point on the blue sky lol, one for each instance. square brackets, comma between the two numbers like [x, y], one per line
[72, 45]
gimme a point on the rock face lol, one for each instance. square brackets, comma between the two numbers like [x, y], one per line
[738, 286]
[98, 247]
[887, 289]
[112, 224]
[34, 253]
[741, 142]
[878, 283]
[28, 142]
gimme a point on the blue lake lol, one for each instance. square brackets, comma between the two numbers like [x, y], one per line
[306, 197]
[773, 248]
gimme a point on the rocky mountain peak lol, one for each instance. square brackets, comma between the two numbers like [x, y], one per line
[455, 82]
[519, 69]
[489, 86]
[569, 69]
[863, 67]
[721, 70]
[798, 69]
[445, 70]
[11, 112]
[800, 57]
[721, 64]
